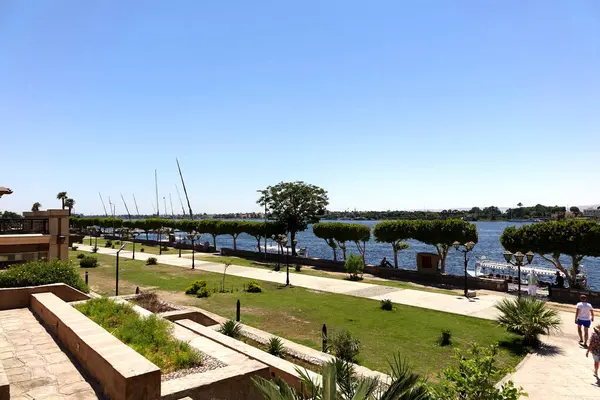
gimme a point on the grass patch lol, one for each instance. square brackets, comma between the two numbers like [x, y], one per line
[298, 314]
[151, 336]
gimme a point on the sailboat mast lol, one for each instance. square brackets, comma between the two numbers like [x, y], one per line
[126, 208]
[181, 201]
[103, 206]
[156, 185]
[165, 201]
[171, 201]
[136, 207]
[185, 190]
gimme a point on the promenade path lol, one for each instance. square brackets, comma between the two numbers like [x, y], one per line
[559, 371]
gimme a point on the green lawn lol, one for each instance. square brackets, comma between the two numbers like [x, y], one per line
[138, 246]
[298, 314]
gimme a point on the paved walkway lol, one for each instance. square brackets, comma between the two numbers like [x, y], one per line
[36, 367]
[561, 371]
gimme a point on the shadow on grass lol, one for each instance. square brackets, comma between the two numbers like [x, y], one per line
[516, 347]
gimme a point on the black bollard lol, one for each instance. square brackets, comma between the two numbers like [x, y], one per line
[137, 290]
[86, 277]
[324, 338]
[237, 311]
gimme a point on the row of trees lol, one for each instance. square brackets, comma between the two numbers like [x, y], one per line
[439, 233]
[550, 240]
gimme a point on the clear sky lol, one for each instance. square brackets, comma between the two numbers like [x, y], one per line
[385, 104]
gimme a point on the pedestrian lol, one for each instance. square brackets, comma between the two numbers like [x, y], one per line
[595, 348]
[584, 316]
[532, 282]
[560, 281]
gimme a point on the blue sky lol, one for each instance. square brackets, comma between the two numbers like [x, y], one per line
[386, 104]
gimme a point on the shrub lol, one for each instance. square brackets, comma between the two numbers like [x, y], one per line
[203, 292]
[108, 244]
[277, 268]
[254, 287]
[298, 267]
[80, 241]
[80, 255]
[231, 329]
[387, 305]
[445, 339]
[95, 249]
[112, 247]
[88, 262]
[195, 286]
[142, 250]
[475, 377]
[152, 261]
[35, 273]
[529, 317]
[150, 336]
[275, 347]
[151, 302]
[117, 242]
[345, 346]
[354, 266]
[74, 248]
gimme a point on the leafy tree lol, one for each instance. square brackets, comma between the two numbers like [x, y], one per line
[575, 210]
[360, 235]
[442, 234]
[36, 206]
[69, 203]
[210, 226]
[10, 215]
[575, 239]
[143, 225]
[475, 377]
[395, 233]
[62, 196]
[330, 231]
[257, 231]
[340, 382]
[491, 212]
[354, 266]
[233, 228]
[520, 205]
[295, 205]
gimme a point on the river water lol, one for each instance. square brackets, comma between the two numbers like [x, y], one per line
[488, 246]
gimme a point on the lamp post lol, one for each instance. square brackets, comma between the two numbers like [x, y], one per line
[287, 264]
[133, 243]
[264, 193]
[117, 270]
[465, 248]
[193, 236]
[159, 243]
[518, 262]
[179, 245]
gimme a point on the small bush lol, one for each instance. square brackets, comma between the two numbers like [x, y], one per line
[88, 262]
[445, 339]
[165, 248]
[108, 244]
[529, 317]
[387, 305]
[194, 287]
[354, 266]
[95, 249]
[277, 268]
[80, 241]
[112, 247]
[152, 261]
[117, 242]
[35, 273]
[275, 347]
[151, 302]
[298, 267]
[80, 255]
[345, 346]
[203, 292]
[254, 287]
[231, 328]
[74, 248]
[142, 250]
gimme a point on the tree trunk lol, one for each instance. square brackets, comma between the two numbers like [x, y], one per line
[215, 242]
[234, 242]
[292, 237]
[258, 244]
[343, 247]
[395, 257]
[362, 249]
[443, 253]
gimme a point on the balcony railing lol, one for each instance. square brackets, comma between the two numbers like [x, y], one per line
[23, 226]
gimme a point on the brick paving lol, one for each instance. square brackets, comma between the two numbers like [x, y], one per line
[35, 365]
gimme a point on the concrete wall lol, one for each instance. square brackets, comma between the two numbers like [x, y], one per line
[190, 314]
[20, 297]
[122, 372]
[572, 296]
[390, 273]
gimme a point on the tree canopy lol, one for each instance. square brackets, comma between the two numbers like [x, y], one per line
[294, 205]
[394, 233]
[573, 238]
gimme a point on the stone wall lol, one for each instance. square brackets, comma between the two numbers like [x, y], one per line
[390, 273]
[572, 296]
[20, 297]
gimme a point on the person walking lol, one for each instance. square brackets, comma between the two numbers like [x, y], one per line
[595, 348]
[532, 282]
[584, 316]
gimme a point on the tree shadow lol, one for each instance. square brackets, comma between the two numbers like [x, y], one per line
[515, 346]
[548, 350]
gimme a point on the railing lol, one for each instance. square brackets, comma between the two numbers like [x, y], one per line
[18, 258]
[23, 226]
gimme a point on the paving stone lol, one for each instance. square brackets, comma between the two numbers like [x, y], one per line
[6, 354]
[15, 371]
[61, 368]
[15, 390]
[43, 392]
[20, 378]
[74, 387]
[33, 361]
[87, 395]
[12, 363]
[35, 383]
[54, 358]
[70, 377]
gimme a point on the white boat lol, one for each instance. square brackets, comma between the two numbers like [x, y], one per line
[484, 267]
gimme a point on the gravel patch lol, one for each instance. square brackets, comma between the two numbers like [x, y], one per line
[376, 290]
[209, 363]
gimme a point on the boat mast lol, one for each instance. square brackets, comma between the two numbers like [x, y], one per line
[181, 201]
[136, 207]
[171, 201]
[185, 190]
[103, 206]
[126, 208]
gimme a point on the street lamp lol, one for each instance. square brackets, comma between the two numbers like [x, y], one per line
[132, 238]
[264, 193]
[117, 270]
[193, 236]
[518, 262]
[466, 249]
[284, 241]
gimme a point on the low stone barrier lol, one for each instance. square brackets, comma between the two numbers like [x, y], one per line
[391, 273]
[564, 295]
[4, 385]
[123, 373]
[20, 297]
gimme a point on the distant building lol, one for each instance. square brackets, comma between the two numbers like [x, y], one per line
[591, 213]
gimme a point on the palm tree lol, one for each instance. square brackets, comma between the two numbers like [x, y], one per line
[62, 196]
[36, 206]
[520, 204]
[69, 203]
[341, 383]
[529, 317]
